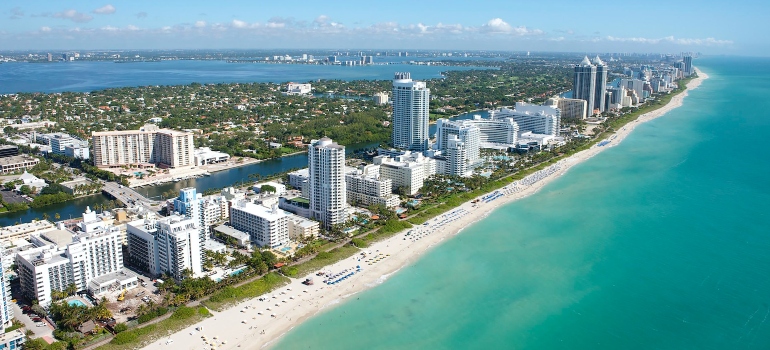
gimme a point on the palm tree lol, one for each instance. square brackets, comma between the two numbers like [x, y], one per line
[57, 216]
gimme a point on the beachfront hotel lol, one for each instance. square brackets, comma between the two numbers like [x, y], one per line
[267, 227]
[535, 118]
[465, 131]
[147, 146]
[365, 186]
[411, 100]
[12, 339]
[62, 257]
[407, 171]
[571, 108]
[166, 245]
[326, 182]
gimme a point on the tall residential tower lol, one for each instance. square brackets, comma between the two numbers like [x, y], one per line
[411, 101]
[601, 85]
[326, 182]
[584, 83]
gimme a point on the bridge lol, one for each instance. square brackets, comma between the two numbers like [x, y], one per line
[128, 196]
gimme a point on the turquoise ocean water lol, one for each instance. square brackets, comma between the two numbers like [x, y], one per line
[662, 242]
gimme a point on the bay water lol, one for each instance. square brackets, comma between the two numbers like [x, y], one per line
[661, 242]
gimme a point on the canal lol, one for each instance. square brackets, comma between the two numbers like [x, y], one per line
[230, 177]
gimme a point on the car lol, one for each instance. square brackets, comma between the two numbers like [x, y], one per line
[40, 324]
[37, 319]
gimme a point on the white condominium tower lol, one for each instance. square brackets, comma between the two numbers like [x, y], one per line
[467, 133]
[326, 182]
[411, 101]
[584, 84]
[147, 145]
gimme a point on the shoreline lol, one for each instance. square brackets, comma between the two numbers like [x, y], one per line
[254, 324]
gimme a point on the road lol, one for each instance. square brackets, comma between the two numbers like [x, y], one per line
[128, 196]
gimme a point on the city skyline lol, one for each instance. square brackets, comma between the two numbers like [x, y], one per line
[454, 25]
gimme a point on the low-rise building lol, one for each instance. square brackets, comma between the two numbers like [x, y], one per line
[267, 227]
[16, 163]
[295, 205]
[229, 234]
[407, 172]
[204, 155]
[300, 227]
[365, 187]
[298, 89]
[9, 234]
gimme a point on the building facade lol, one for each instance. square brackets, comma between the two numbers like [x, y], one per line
[267, 227]
[465, 131]
[584, 83]
[411, 102]
[535, 118]
[601, 85]
[366, 187]
[167, 245]
[326, 182]
[407, 172]
[148, 145]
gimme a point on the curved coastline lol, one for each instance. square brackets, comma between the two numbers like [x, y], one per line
[241, 326]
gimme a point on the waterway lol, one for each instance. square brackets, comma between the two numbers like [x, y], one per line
[89, 76]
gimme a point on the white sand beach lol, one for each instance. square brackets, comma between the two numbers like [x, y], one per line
[255, 324]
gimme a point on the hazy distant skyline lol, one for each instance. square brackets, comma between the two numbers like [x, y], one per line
[590, 26]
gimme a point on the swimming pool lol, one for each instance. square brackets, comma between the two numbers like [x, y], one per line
[76, 302]
[285, 249]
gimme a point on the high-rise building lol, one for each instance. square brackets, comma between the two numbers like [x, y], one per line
[167, 245]
[64, 258]
[535, 118]
[687, 59]
[366, 187]
[6, 313]
[408, 171]
[584, 83]
[457, 158]
[411, 102]
[467, 133]
[571, 108]
[326, 182]
[190, 205]
[601, 85]
[147, 145]
[267, 227]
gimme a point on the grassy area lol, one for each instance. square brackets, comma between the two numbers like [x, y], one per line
[390, 228]
[326, 258]
[137, 337]
[231, 295]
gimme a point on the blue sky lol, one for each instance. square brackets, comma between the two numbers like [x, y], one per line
[735, 27]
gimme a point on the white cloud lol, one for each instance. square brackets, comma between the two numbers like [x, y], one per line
[105, 10]
[200, 24]
[132, 27]
[45, 29]
[672, 39]
[239, 24]
[498, 26]
[77, 17]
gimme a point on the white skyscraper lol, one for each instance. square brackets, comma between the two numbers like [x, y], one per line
[601, 84]
[326, 183]
[167, 245]
[411, 101]
[6, 313]
[467, 133]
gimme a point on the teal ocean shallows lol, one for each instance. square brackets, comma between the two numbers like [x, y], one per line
[661, 242]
